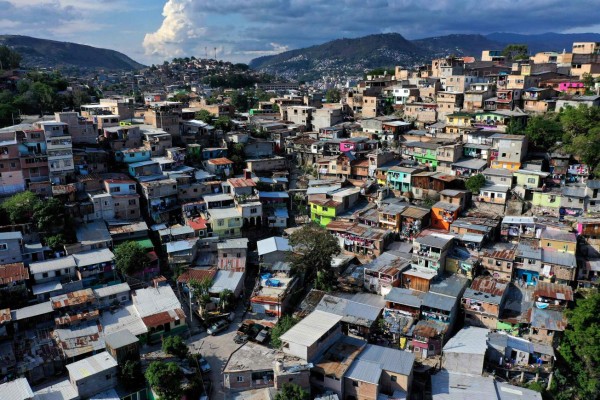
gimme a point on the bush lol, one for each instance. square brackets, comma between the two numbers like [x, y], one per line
[174, 345]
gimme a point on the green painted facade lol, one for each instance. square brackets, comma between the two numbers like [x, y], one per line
[546, 199]
[322, 215]
[399, 180]
[427, 158]
[529, 180]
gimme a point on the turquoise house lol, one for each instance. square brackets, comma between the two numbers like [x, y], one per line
[130, 156]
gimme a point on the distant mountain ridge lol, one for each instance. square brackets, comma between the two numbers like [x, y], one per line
[354, 56]
[43, 53]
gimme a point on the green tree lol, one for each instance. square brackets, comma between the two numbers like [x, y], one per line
[56, 242]
[200, 290]
[588, 80]
[333, 96]
[130, 374]
[225, 299]
[475, 182]
[204, 115]
[580, 350]
[314, 249]
[49, 215]
[544, 130]
[20, 207]
[165, 379]
[176, 346]
[578, 121]
[587, 148]
[239, 100]
[291, 391]
[223, 123]
[9, 58]
[283, 325]
[181, 97]
[131, 257]
[516, 52]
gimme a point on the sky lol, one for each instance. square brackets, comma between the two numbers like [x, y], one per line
[151, 31]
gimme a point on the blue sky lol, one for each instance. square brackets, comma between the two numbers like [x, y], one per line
[151, 31]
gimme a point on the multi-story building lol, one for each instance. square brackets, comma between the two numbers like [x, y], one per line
[82, 130]
[509, 151]
[160, 198]
[59, 149]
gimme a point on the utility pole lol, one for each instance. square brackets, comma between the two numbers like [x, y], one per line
[215, 54]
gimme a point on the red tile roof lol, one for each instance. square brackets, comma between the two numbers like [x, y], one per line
[196, 274]
[241, 182]
[196, 223]
[220, 161]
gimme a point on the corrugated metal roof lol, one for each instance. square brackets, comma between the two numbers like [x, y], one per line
[468, 340]
[553, 291]
[434, 241]
[548, 319]
[32, 311]
[438, 301]
[351, 312]
[226, 280]
[311, 328]
[93, 257]
[556, 257]
[152, 300]
[272, 244]
[558, 234]
[452, 286]
[52, 265]
[11, 236]
[364, 371]
[120, 339]
[405, 296]
[18, 389]
[113, 289]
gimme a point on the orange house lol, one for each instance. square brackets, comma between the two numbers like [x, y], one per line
[443, 214]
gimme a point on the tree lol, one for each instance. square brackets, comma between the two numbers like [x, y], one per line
[176, 346]
[475, 182]
[131, 257]
[580, 351]
[20, 207]
[48, 216]
[283, 325]
[223, 123]
[225, 299]
[56, 242]
[165, 379]
[291, 391]
[313, 248]
[205, 116]
[130, 374]
[239, 100]
[544, 130]
[333, 96]
[9, 58]
[181, 97]
[588, 80]
[516, 52]
[200, 290]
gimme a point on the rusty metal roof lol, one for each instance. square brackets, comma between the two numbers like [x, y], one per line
[73, 299]
[553, 291]
[501, 253]
[489, 285]
[197, 274]
[5, 315]
[164, 317]
[15, 272]
[241, 182]
[220, 161]
[429, 329]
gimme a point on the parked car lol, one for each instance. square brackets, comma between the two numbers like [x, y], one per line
[263, 335]
[217, 327]
[204, 365]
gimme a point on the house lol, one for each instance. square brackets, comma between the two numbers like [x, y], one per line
[312, 335]
[265, 166]
[546, 202]
[91, 236]
[378, 371]
[527, 264]
[13, 279]
[498, 261]
[325, 207]
[552, 296]
[402, 310]
[509, 151]
[428, 184]
[95, 266]
[359, 238]
[11, 247]
[414, 219]
[181, 252]
[253, 366]
[546, 326]
[559, 266]
[390, 216]
[272, 295]
[358, 319]
[133, 155]
[447, 155]
[160, 311]
[430, 251]
[53, 269]
[530, 179]
[483, 302]
[400, 178]
[93, 375]
[559, 240]
[221, 167]
[273, 249]
[494, 194]
[123, 346]
[112, 295]
[224, 222]
[448, 385]
[574, 200]
[466, 167]
[232, 254]
[465, 352]
[502, 346]
[443, 214]
[425, 153]
[515, 227]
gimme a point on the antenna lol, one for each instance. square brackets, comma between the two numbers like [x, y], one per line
[215, 54]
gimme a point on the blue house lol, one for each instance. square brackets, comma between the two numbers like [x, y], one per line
[130, 156]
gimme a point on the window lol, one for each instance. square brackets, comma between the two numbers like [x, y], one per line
[355, 383]
[530, 180]
[240, 379]
[224, 255]
[238, 255]
[220, 223]
[253, 211]
[131, 155]
[394, 378]
[108, 377]
[3, 247]
[177, 322]
[132, 202]
[45, 275]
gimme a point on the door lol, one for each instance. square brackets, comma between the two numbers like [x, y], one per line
[425, 353]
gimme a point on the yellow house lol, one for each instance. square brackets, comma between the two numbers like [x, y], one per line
[559, 240]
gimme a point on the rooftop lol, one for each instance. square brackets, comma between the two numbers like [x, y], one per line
[120, 339]
[150, 301]
[254, 357]
[548, 319]
[405, 297]
[12, 273]
[553, 291]
[373, 360]
[272, 244]
[486, 289]
[469, 339]
[93, 365]
[352, 312]
[312, 328]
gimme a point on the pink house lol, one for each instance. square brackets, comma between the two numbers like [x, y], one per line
[569, 86]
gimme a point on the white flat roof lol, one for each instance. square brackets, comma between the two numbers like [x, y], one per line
[93, 365]
[150, 301]
[52, 265]
[110, 290]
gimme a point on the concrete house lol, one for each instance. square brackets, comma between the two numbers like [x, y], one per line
[11, 247]
[312, 335]
[93, 375]
[483, 302]
[273, 249]
[465, 352]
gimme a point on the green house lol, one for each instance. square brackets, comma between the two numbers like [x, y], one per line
[530, 179]
[546, 199]
[425, 153]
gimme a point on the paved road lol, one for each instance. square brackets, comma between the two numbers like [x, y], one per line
[216, 349]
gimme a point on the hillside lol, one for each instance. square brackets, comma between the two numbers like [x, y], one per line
[42, 53]
[352, 57]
